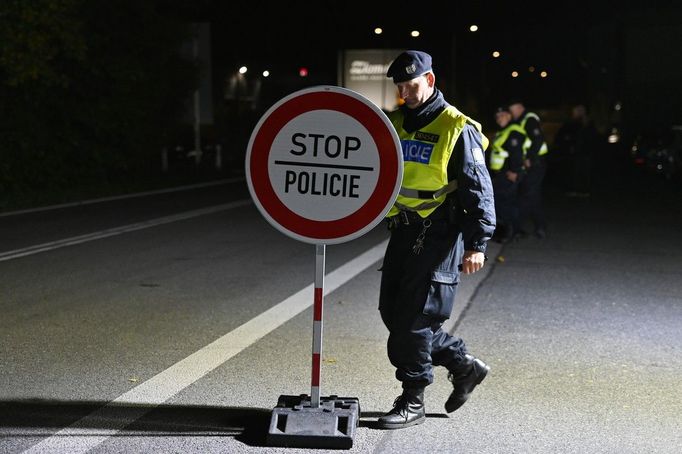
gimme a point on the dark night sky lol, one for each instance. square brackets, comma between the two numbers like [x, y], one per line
[591, 50]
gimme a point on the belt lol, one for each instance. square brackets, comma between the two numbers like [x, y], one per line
[412, 217]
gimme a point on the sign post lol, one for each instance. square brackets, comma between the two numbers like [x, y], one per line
[323, 166]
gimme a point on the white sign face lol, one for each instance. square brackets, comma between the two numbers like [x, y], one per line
[324, 165]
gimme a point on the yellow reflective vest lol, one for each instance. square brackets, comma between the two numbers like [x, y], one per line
[426, 153]
[498, 155]
[543, 149]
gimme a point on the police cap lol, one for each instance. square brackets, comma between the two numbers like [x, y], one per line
[409, 65]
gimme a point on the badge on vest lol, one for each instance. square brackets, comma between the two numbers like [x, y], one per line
[416, 151]
[426, 137]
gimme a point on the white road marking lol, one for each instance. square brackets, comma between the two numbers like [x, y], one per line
[123, 196]
[35, 249]
[98, 426]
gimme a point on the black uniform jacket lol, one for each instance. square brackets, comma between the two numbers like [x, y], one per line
[474, 194]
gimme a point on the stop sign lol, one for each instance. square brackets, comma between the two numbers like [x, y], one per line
[324, 165]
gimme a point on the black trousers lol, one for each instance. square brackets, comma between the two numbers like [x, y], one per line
[506, 202]
[530, 195]
[416, 296]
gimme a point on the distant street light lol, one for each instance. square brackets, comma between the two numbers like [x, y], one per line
[543, 74]
[266, 73]
[378, 31]
[515, 74]
[473, 28]
[496, 54]
[243, 70]
[414, 33]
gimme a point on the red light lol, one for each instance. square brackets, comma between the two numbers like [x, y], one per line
[303, 72]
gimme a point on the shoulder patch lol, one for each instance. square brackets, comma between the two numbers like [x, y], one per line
[477, 153]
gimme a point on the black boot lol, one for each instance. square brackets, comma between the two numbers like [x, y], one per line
[464, 379]
[408, 410]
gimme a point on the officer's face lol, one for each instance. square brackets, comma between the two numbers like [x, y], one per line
[502, 119]
[516, 110]
[416, 91]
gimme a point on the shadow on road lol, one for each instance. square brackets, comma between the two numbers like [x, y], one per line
[248, 425]
[27, 418]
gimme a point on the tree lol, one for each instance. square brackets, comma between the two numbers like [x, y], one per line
[89, 89]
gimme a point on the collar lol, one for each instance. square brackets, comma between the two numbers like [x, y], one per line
[423, 115]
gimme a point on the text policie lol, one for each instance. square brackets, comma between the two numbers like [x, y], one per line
[325, 182]
[332, 184]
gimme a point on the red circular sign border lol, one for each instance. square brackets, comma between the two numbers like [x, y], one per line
[268, 129]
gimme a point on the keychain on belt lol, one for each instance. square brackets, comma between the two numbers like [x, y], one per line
[419, 243]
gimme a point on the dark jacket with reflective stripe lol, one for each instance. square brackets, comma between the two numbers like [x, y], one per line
[474, 195]
[534, 133]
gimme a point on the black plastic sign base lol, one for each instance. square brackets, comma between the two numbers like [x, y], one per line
[294, 423]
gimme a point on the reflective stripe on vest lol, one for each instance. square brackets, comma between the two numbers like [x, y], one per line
[497, 158]
[416, 194]
[426, 154]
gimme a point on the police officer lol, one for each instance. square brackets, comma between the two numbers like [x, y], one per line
[506, 169]
[440, 223]
[535, 165]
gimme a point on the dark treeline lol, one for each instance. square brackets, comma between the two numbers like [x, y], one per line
[90, 90]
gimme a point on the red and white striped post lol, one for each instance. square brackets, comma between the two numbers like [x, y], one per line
[317, 325]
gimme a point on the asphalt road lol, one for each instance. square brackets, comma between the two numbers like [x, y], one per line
[173, 322]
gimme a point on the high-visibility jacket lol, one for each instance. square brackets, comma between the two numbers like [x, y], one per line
[543, 148]
[498, 153]
[426, 153]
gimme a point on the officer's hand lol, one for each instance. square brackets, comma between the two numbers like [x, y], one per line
[472, 261]
[512, 176]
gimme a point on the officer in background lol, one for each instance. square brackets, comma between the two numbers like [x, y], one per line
[440, 224]
[535, 165]
[506, 170]
[577, 143]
